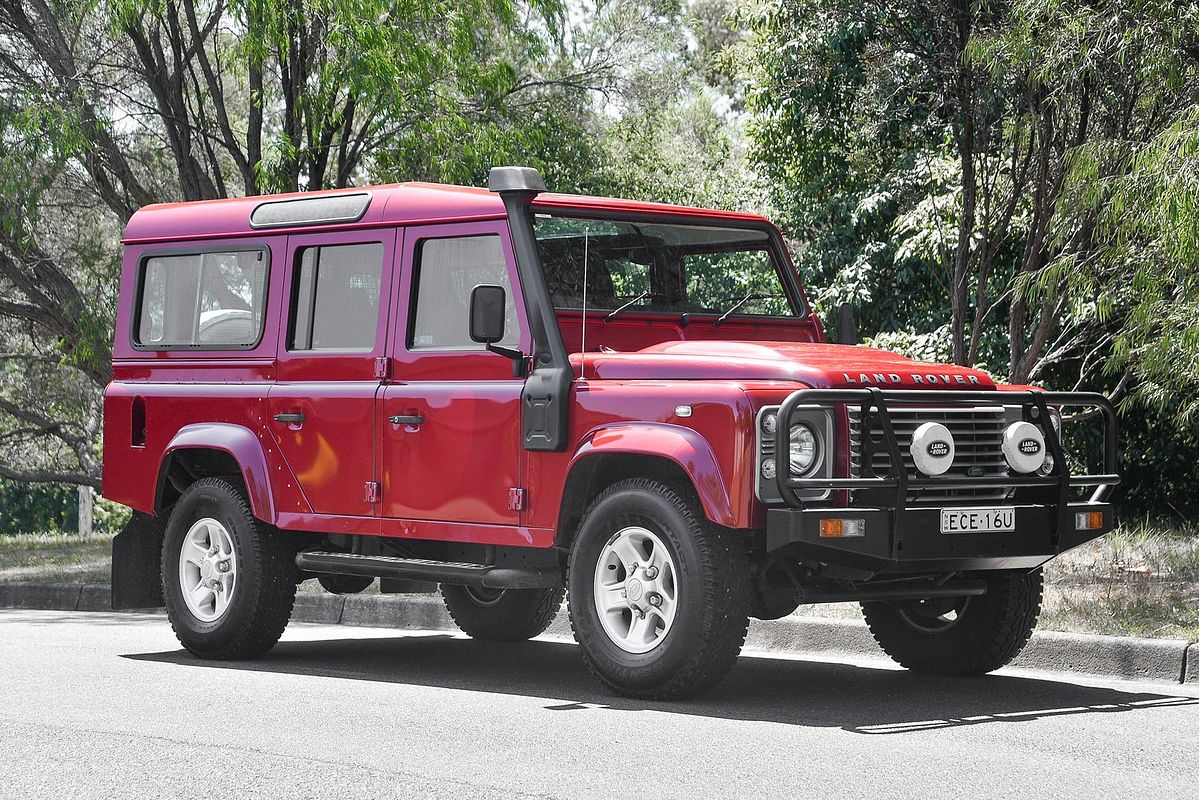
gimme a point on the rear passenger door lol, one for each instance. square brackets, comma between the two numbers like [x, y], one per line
[321, 409]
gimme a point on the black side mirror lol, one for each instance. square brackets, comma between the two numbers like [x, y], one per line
[847, 330]
[487, 314]
[487, 324]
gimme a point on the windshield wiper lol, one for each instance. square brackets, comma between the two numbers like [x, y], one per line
[634, 301]
[740, 303]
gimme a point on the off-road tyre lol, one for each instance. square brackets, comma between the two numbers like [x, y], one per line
[713, 591]
[345, 584]
[990, 631]
[261, 604]
[509, 615]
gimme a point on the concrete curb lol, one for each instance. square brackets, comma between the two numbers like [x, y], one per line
[1168, 660]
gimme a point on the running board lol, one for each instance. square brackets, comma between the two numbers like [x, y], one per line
[453, 572]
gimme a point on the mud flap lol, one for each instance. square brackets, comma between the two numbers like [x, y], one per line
[137, 563]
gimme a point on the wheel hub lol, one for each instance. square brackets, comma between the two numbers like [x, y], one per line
[207, 569]
[635, 589]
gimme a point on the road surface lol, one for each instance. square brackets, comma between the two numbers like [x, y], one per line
[108, 706]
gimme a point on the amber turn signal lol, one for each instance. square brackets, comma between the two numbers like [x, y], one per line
[838, 528]
[1089, 521]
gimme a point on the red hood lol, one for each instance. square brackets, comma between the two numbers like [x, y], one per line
[817, 365]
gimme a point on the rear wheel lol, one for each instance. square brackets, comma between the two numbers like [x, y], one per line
[229, 582]
[344, 584]
[960, 635]
[659, 597]
[502, 615]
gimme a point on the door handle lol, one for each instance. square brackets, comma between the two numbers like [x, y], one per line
[293, 418]
[406, 419]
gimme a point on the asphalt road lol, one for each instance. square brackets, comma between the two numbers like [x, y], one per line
[108, 706]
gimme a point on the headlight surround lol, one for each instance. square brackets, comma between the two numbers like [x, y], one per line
[803, 448]
[1056, 422]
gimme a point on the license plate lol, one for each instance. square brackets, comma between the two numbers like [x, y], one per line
[978, 520]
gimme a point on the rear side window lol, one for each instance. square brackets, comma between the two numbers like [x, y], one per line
[447, 271]
[202, 300]
[335, 298]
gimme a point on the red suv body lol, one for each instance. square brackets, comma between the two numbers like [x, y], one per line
[438, 384]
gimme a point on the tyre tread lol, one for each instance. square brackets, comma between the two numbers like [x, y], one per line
[271, 609]
[521, 614]
[995, 643]
[726, 616]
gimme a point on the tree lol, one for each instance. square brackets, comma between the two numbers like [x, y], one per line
[933, 140]
[1004, 184]
[108, 105]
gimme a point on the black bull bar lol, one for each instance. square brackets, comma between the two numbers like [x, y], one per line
[1055, 522]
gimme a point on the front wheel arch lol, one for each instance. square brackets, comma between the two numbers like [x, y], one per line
[593, 473]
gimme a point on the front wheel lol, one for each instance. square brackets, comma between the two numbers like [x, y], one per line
[963, 635]
[659, 597]
[228, 580]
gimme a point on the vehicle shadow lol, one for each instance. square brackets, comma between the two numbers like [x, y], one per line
[859, 699]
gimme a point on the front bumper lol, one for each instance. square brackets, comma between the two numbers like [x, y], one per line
[901, 536]
[910, 540]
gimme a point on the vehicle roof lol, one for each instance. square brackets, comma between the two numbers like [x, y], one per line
[391, 204]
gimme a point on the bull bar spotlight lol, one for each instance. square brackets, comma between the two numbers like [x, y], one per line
[1024, 447]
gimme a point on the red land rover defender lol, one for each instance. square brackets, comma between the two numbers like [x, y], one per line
[514, 394]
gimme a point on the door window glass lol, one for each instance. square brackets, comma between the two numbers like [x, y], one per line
[335, 298]
[202, 300]
[446, 272]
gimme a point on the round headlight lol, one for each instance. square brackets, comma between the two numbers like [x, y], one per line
[770, 422]
[1056, 423]
[802, 448]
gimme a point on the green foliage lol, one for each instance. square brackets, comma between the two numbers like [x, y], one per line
[51, 507]
[850, 155]
[1143, 199]
[1037, 159]
[34, 508]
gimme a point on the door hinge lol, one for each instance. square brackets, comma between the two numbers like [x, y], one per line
[371, 491]
[516, 499]
[381, 367]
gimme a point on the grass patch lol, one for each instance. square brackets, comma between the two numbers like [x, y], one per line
[1139, 580]
[55, 558]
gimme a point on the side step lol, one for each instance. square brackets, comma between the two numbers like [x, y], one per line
[479, 575]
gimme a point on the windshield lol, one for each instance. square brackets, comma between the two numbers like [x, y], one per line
[640, 267]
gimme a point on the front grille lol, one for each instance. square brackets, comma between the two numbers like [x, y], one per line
[978, 433]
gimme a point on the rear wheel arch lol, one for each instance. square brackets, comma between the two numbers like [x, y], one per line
[215, 450]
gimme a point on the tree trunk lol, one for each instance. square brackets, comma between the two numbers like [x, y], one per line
[85, 510]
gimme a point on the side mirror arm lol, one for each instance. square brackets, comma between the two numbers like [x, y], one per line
[511, 353]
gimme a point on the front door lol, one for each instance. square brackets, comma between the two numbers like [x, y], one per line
[321, 409]
[451, 416]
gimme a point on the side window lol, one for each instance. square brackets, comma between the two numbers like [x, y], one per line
[446, 271]
[335, 298]
[199, 300]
